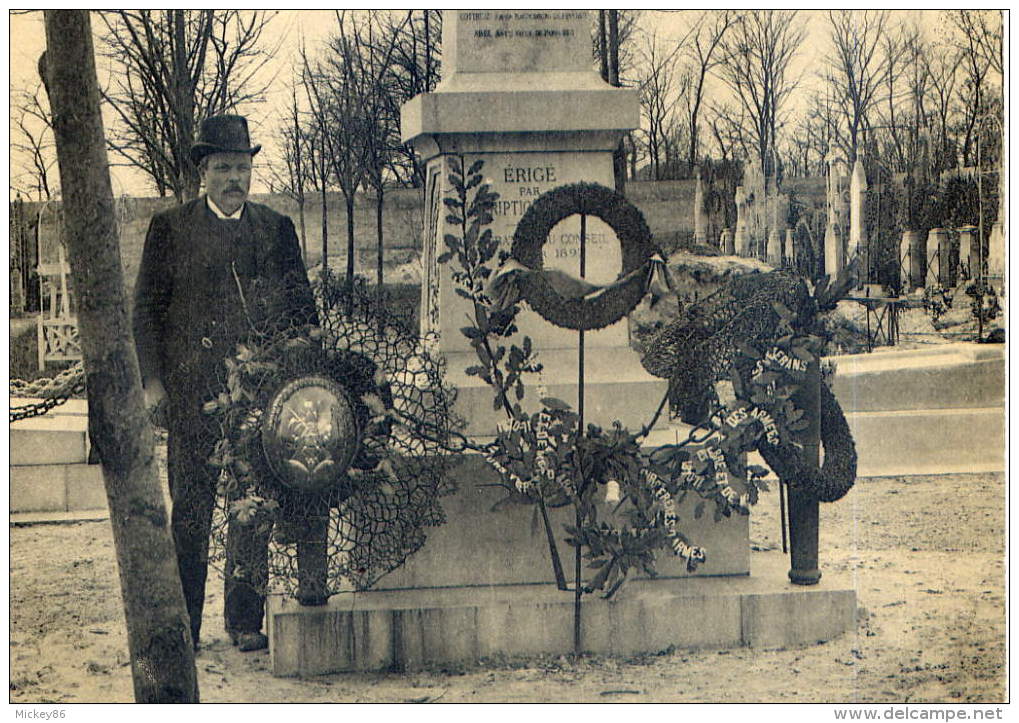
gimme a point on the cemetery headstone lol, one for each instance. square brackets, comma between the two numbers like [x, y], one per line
[727, 242]
[968, 261]
[742, 236]
[700, 235]
[936, 242]
[857, 211]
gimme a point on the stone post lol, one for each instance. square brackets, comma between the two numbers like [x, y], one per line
[834, 256]
[727, 242]
[774, 254]
[996, 251]
[740, 240]
[857, 242]
[968, 260]
[935, 240]
[948, 252]
[700, 235]
[996, 241]
[916, 269]
[804, 522]
[779, 219]
[904, 256]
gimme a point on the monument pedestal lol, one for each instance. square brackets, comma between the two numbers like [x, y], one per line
[414, 629]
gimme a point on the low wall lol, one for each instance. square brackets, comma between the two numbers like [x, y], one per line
[667, 206]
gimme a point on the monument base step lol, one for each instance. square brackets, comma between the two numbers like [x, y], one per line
[414, 629]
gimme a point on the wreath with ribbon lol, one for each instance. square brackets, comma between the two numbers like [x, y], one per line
[602, 306]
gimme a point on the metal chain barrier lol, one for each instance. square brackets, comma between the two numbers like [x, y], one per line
[51, 391]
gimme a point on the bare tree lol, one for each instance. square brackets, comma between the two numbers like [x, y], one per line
[819, 128]
[621, 51]
[857, 69]
[413, 68]
[318, 149]
[158, 631]
[170, 70]
[939, 64]
[728, 126]
[32, 141]
[382, 110]
[657, 98]
[979, 40]
[292, 175]
[756, 53]
[901, 112]
[336, 96]
[703, 53]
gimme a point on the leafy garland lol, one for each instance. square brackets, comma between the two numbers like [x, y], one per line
[544, 457]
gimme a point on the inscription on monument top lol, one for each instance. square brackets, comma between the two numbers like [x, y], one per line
[516, 41]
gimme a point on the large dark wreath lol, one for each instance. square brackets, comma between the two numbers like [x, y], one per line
[703, 345]
[835, 477]
[377, 512]
[622, 217]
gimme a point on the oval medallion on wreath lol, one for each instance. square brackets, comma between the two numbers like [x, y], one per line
[333, 438]
[611, 303]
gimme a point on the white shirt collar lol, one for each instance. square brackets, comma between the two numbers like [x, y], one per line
[219, 214]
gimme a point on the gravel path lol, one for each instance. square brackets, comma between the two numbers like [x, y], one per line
[926, 555]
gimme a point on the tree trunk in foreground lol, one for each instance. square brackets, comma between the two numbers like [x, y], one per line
[159, 638]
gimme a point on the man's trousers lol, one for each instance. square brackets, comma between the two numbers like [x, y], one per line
[192, 438]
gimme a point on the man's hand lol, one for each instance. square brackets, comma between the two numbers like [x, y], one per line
[155, 401]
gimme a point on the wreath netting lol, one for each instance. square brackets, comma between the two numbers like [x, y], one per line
[378, 511]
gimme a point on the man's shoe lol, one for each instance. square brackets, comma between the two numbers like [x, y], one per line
[247, 642]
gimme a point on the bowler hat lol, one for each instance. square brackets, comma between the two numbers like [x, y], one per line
[223, 134]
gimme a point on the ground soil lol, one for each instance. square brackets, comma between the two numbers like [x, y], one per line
[926, 555]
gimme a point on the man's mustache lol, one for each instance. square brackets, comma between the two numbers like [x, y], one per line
[231, 189]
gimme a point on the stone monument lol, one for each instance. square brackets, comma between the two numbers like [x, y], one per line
[996, 239]
[756, 187]
[726, 243]
[836, 227]
[912, 261]
[520, 93]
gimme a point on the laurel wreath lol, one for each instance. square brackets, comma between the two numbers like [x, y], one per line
[622, 217]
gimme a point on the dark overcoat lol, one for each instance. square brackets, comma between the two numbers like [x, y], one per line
[203, 282]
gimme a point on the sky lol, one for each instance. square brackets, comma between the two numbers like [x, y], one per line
[26, 42]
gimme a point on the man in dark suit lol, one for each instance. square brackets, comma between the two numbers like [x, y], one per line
[207, 270]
